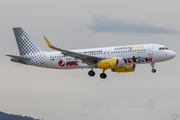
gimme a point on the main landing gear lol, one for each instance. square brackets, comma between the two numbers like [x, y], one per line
[103, 75]
[153, 70]
[92, 73]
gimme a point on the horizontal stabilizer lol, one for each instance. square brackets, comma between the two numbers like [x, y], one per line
[19, 57]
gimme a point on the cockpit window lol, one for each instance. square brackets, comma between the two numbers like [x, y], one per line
[163, 48]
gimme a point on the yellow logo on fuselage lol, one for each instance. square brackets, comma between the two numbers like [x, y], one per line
[138, 47]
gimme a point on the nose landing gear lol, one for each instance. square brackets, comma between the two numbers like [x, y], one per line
[153, 70]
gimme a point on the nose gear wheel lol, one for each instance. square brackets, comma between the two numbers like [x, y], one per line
[153, 70]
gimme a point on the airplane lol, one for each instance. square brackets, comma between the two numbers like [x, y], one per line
[118, 58]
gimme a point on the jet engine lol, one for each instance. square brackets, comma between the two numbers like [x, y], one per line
[108, 63]
[124, 68]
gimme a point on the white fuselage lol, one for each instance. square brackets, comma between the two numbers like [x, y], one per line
[129, 54]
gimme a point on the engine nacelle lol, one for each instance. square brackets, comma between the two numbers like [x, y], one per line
[124, 68]
[108, 63]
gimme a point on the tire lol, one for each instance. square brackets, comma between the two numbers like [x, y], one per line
[153, 70]
[103, 75]
[91, 73]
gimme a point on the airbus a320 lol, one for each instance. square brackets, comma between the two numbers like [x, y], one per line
[118, 58]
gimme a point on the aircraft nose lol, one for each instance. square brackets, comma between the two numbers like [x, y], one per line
[172, 54]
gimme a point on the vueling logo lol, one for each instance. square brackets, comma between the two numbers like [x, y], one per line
[138, 47]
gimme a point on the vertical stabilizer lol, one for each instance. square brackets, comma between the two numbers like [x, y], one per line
[25, 44]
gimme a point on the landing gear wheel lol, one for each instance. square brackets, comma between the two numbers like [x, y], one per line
[103, 75]
[153, 70]
[91, 73]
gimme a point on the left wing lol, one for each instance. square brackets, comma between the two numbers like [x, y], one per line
[90, 60]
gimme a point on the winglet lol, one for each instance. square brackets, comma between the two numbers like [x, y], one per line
[48, 43]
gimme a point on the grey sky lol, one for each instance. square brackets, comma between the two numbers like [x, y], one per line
[72, 94]
[103, 24]
[151, 103]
